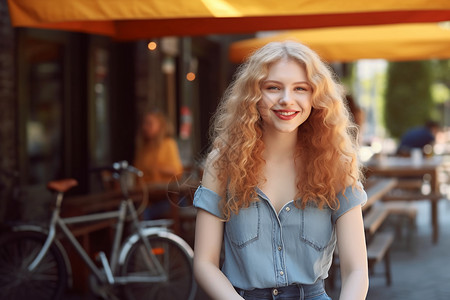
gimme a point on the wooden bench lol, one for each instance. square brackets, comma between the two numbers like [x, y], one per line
[403, 210]
[378, 250]
[377, 189]
[374, 214]
[374, 219]
[400, 200]
[381, 211]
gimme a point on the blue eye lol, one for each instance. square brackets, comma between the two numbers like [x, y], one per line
[272, 88]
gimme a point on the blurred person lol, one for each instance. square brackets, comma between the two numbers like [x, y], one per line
[418, 137]
[281, 184]
[357, 116]
[157, 157]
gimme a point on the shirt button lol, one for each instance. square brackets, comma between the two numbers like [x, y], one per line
[279, 248]
[275, 292]
[281, 273]
[288, 208]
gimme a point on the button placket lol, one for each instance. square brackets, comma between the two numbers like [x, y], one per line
[278, 247]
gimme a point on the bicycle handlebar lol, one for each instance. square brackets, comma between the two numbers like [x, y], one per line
[119, 167]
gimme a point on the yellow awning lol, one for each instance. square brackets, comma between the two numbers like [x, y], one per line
[133, 19]
[391, 42]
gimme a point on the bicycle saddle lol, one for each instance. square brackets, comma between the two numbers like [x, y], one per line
[62, 185]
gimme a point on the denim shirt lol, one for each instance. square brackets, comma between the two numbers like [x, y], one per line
[264, 249]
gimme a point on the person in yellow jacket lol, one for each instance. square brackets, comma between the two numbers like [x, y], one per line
[157, 156]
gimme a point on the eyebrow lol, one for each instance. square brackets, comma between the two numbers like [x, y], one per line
[297, 82]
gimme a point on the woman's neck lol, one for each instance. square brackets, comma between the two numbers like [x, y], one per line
[279, 145]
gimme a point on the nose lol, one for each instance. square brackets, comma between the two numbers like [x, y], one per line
[286, 97]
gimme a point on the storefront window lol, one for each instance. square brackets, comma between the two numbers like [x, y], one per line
[99, 108]
[44, 122]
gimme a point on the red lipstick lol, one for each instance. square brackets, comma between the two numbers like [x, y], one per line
[286, 114]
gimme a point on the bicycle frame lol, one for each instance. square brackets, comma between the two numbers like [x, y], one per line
[126, 207]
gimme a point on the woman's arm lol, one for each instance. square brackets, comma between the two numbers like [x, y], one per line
[208, 244]
[352, 255]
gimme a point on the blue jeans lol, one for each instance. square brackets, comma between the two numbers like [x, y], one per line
[156, 210]
[297, 291]
[160, 209]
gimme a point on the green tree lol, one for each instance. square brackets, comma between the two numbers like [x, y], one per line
[408, 96]
[441, 71]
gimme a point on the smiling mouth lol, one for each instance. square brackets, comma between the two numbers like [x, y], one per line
[286, 114]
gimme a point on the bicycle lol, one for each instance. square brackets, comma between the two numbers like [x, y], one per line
[151, 263]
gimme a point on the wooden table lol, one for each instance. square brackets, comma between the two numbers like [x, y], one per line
[403, 168]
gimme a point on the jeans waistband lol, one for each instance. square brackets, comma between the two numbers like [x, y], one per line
[305, 290]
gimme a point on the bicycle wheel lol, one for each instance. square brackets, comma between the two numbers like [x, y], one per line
[177, 265]
[47, 281]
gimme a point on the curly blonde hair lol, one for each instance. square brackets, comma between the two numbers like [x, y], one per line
[325, 146]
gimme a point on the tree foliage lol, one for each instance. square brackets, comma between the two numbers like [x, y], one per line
[441, 71]
[408, 96]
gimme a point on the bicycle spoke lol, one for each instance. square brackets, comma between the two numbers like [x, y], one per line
[177, 266]
[47, 281]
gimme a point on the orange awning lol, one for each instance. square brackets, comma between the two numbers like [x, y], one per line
[135, 19]
[391, 42]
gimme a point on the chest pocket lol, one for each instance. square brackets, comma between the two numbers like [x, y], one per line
[243, 228]
[316, 227]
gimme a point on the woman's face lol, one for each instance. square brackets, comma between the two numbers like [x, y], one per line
[151, 126]
[286, 97]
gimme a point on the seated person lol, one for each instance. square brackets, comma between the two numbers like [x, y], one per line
[418, 137]
[158, 158]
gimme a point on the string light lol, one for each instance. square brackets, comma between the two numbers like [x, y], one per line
[152, 46]
[190, 76]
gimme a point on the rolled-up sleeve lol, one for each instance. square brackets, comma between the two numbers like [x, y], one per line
[352, 197]
[208, 200]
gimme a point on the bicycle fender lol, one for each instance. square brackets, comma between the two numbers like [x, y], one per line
[162, 232]
[44, 231]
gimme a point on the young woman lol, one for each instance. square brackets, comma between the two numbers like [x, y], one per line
[281, 184]
[157, 157]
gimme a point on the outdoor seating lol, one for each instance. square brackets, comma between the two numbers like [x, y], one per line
[374, 219]
[415, 181]
[378, 250]
[374, 215]
[405, 213]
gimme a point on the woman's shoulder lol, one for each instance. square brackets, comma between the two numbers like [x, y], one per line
[352, 194]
